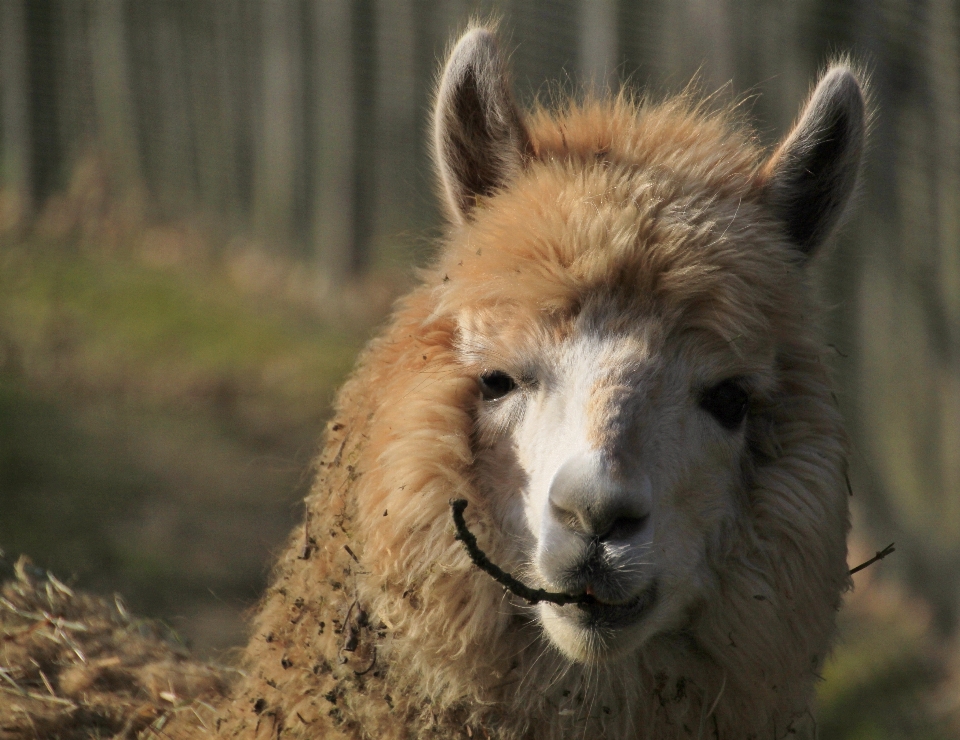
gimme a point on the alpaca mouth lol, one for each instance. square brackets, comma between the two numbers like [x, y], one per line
[596, 614]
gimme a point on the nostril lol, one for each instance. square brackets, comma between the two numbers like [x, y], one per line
[566, 518]
[624, 528]
[586, 500]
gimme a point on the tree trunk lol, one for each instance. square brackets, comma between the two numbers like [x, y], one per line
[334, 155]
[112, 95]
[227, 80]
[277, 162]
[46, 159]
[396, 125]
[14, 106]
[696, 42]
[75, 88]
[598, 53]
[202, 43]
[944, 65]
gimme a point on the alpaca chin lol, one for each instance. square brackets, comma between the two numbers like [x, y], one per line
[600, 633]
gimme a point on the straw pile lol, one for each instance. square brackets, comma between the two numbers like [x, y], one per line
[77, 666]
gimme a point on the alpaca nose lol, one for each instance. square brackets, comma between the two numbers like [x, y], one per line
[584, 499]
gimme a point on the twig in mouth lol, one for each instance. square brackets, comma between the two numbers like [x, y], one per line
[536, 595]
[480, 559]
[879, 556]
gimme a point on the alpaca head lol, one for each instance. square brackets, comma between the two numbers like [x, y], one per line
[629, 286]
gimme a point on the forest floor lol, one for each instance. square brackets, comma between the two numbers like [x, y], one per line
[160, 404]
[158, 418]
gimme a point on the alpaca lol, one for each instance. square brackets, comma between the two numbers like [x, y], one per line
[614, 361]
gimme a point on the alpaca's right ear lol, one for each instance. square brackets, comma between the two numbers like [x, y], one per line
[479, 137]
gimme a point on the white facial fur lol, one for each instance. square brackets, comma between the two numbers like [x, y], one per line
[611, 476]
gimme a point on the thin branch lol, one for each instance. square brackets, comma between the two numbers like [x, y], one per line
[879, 556]
[480, 559]
[536, 595]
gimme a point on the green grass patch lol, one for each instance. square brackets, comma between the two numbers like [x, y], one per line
[156, 428]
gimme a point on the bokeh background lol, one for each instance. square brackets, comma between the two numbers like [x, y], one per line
[207, 206]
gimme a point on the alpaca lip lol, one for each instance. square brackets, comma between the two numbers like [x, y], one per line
[596, 614]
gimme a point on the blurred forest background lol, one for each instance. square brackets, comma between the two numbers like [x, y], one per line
[206, 206]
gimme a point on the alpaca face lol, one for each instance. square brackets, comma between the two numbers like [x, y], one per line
[620, 455]
[629, 291]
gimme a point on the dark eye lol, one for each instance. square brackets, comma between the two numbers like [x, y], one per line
[496, 385]
[726, 402]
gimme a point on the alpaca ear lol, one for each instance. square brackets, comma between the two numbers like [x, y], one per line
[810, 177]
[479, 137]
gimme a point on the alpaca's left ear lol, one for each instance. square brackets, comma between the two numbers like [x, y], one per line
[810, 177]
[478, 133]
